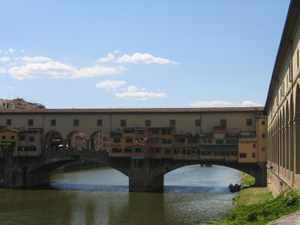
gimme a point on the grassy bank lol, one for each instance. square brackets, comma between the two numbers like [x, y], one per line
[256, 206]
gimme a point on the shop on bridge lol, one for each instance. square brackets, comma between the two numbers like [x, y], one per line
[29, 143]
[8, 141]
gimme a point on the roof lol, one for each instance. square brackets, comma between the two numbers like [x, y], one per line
[286, 39]
[133, 110]
[5, 129]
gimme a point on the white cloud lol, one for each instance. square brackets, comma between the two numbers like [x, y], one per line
[5, 59]
[133, 92]
[121, 89]
[2, 71]
[11, 50]
[134, 58]
[35, 59]
[217, 103]
[20, 66]
[111, 85]
[26, 67]
[97, 71]
[55, 69]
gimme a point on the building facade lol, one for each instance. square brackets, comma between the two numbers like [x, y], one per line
[157, 133]
[283, 108]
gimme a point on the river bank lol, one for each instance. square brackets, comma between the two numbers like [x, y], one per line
[257, 206]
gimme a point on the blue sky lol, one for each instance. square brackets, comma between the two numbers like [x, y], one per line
[139, 53]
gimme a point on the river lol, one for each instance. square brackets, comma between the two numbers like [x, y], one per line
[193, 195]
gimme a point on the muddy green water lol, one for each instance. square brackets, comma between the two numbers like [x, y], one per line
[193, 195]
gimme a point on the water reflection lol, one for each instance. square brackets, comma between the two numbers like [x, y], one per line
[194, 204]
[146, 209]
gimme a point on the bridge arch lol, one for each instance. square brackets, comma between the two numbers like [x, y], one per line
[251, 169]
[97, 141]
[297, 124]
[216, 173]
[149, 176]
[53, 141]
[287, 136]
[283, 138]
[77, 140]
[292, 138]
[39, 174]
[56, 163]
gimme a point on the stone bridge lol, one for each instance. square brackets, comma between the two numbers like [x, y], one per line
[146, 174]
[143, 144]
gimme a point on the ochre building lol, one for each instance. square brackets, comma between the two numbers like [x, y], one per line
[283, 108]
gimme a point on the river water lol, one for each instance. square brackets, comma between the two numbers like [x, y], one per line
[193, 195]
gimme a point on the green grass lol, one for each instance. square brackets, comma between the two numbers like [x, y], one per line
[250, 196]
[247, 180]
[256, 206]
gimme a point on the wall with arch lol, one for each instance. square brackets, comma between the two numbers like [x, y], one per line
[283, 105]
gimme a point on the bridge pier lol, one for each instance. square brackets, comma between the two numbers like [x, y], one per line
[141, 183]
[261, 176]
[142, 176]
[14, 177]
[15, 173]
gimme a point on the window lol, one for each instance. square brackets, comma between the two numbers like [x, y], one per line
[223, 123]
[172, 123]
[53, 123]
[8, 122]
[198, 123]
[31, 139]
[12, 137]
[123, 123]
[129, 140]
[243, 155]
[99, 123]
[3, 137]
[291, 71]
[249, 122]
[116, 139]
[148, 123]
[76, 123]
[167, 151]
[282, 89]
[22, 137]
[263, 122]
[298, 58]
[30, 122]
[253, 155]
[254, 146]
[263, 135]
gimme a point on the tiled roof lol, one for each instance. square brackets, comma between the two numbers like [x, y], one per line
[132, 110]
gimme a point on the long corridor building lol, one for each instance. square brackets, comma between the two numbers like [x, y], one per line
[283, 107]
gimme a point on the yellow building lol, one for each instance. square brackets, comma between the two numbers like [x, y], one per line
[261, 134]
[252, 146]
[247, 150]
